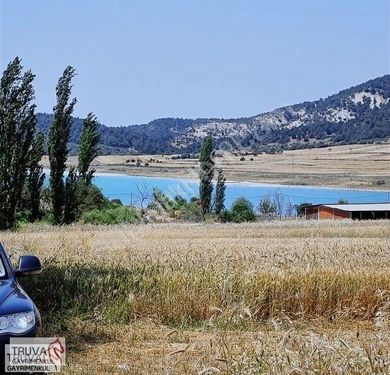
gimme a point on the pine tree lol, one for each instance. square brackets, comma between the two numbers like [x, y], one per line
[58, 142]
[88, 148]
[206, 174]
[220, 194]
[35, 176]
[17, 127]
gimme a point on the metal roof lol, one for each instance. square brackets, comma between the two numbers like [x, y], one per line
[360, 207]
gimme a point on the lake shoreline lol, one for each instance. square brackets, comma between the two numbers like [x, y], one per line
[356, 167]
[129, 187]
[239, 183]
[149, 172]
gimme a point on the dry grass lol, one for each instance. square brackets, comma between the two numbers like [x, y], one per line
[297, 245]
[280, 298]
[277, 348]
[347, 166]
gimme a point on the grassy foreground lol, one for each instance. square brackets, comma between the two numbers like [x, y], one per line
[281, 298]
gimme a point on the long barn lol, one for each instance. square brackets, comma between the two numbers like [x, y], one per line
[358, 211]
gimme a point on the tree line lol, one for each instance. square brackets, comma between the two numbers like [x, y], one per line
[71, 194]
[22, 148]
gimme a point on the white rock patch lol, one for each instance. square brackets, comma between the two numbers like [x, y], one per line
[376, 100]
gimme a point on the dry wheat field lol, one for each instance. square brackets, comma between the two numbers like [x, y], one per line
[288, 297]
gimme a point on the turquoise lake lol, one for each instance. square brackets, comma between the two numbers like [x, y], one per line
[125, 188]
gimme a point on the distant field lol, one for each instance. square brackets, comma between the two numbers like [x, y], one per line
[281, 298]
[347, 166]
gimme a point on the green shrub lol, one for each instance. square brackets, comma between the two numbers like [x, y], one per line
[90, 197]
[380, 182]
[191, 212]
[179, 202]
[117, 215]
[22, 219]
[162, 202]
[116, 202]
[241, 210]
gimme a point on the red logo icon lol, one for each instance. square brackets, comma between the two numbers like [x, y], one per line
[55, 350]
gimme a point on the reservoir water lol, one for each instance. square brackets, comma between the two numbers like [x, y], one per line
[125, 188]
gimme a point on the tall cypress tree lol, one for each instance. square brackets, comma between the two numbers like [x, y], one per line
[58, 142]
[88, 147]
[36, 176]
[17, 127]
[71, 202]
[206, 174]
[220, 193]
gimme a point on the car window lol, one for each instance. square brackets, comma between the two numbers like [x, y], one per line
[2, 269]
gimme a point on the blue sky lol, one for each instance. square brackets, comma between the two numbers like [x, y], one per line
[141, 60]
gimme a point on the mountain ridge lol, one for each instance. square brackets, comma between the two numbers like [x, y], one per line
[359, 114]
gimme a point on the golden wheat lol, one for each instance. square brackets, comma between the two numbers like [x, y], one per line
[282, 298]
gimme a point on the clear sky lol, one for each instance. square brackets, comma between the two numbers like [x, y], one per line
[138, 60]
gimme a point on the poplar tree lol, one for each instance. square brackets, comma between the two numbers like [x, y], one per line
[78, 182]
[35, 176]
[71, 202]
[17, 127]
[58, 142]
[220, 193]
[206, 174]
[88, 148]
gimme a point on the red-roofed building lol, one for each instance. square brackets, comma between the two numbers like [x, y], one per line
[358, 211]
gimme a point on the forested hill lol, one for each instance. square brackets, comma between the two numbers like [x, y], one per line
[360, 114]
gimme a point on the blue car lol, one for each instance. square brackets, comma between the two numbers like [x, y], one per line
[19, 317]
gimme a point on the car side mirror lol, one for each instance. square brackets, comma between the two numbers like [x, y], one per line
[28, 265]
